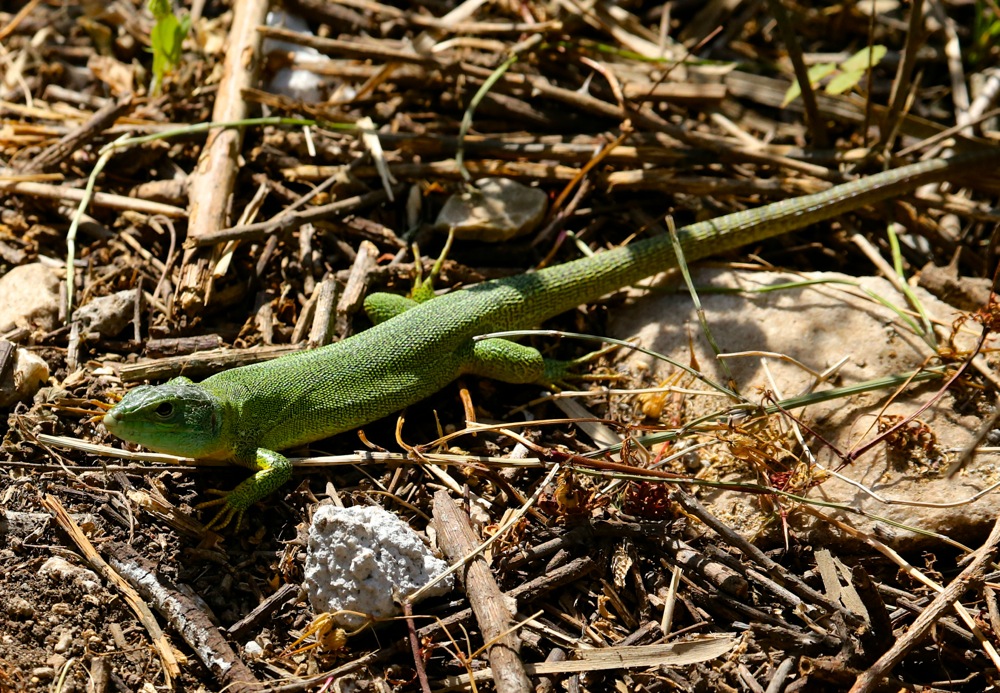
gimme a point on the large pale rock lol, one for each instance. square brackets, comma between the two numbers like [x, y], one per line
[818, 326]
[29, 297]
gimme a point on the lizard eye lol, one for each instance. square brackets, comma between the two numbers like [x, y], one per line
[164, 410]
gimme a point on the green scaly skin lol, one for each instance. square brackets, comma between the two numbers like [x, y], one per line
[247, 414]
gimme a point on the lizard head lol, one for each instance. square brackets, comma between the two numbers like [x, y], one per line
[178, 418]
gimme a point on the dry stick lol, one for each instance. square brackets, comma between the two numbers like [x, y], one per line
[542, 88]
[788, 35]
[448, 168]
[659, 180]
[288, 222]
[783, 671]
[970, 578]
[945, 624]
[187, 616]
[171, 670]
[418, 655]
[992, 608]
[954, 59]
[367, 49]
[470, 27]
[215, 177]
[18, 18]
[203, 362]
[792, 582]
[900, 83]
[306, 315]
[241, 629]
[77, 138]
[457, 540]
[642, 150]
[769, 91]
[98, 199]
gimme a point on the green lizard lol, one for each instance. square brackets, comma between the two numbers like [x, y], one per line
[246, 415]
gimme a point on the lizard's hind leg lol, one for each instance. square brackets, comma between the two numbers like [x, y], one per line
[511, 362]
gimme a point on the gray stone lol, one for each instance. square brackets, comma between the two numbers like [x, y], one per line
[498, 209]
[106, 316]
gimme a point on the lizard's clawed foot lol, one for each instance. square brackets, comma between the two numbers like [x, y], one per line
[226, 514]
[562, 373]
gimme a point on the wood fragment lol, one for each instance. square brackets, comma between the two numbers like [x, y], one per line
[369, 49]
[202, 363]
[674, 92]
[242, 628]
[783, 671]
[305, 318]
[365, 229]
[99, 199]
[187, 616]
[56, 92]
[458, 540]
[213, 181]
[322, 329]
[355, 289]
[181, 346]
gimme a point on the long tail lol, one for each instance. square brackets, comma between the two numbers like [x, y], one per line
[562, 287]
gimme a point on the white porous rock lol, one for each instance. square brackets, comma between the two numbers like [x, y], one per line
[365, 559]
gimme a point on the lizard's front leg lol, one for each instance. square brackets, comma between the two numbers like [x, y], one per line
[272, 471]
[381, 306]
